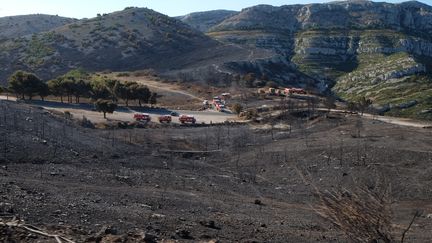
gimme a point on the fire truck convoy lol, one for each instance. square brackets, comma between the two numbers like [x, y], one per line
[143, 117]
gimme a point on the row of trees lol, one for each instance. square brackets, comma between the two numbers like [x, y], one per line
[78, 84]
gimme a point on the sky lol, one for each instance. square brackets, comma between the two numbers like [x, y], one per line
[90, 8]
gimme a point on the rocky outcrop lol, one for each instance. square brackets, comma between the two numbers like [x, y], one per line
[417, 46]
[203, 21]
[387, 69]
[326, 45]
[416, 69]
[361, 42]
[409, 16]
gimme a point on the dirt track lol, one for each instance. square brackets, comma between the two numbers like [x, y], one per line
[126, 114]
[172, 95]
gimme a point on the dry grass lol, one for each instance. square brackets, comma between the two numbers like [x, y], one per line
[363, 215]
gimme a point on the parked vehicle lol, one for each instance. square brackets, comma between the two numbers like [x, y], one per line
[187, 119]
[143, 117]
[218, 106]
[165, 118]
[174, 113]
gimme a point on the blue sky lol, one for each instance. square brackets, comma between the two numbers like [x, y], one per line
[89, 8]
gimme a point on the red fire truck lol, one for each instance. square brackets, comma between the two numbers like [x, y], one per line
[143, 117]
[187, 119]
[165, 118]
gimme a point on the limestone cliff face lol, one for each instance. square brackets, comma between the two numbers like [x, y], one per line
[412, 16]
[338, 31]
[357, 48]
[417, 46]
[203, 21]
[363, 42]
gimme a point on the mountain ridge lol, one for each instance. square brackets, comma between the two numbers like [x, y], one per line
[21, 25]
[203, 21]
[128, 40]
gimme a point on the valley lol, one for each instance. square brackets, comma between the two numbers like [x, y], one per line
[292, 123]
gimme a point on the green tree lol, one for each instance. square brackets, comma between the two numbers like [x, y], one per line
[110, 86]
[55, 88]
[43, 90]
[105, 106]
[126, 91]
[153, 99]
[143, 94]
[80, 88]
[75, 83]
[68, 85]
[24, 84]
[120, 91]
[99, 90]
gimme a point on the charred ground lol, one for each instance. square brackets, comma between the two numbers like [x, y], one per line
[228, 183]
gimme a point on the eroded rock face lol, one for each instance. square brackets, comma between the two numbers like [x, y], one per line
[358, 43]
[327, 41]
[417, 46]
[337, 29]
[412, 16]
[203, 21]
[326, 45]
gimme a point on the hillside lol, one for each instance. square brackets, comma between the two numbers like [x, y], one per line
[132, 39]
[203, 21]
[125, 40]
[18, 26]
[356, 47]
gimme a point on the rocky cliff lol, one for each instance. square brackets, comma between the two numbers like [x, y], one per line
[203, 21]
[357, 48]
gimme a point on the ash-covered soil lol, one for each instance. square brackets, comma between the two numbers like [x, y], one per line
[221, 183]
